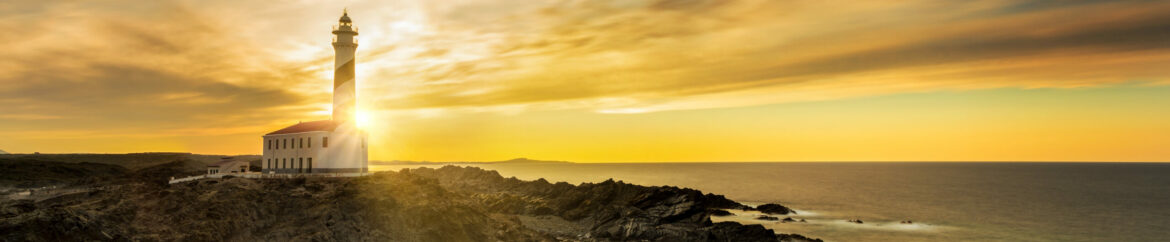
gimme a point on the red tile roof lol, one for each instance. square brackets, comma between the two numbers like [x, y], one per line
[323, 125]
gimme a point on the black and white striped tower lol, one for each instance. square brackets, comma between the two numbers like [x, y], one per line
[344, 46]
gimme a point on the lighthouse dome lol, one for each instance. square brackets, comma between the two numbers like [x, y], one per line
[345, 18]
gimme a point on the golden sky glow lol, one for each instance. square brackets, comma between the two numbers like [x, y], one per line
[600, 81]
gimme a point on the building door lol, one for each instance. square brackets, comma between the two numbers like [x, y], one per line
[310, 164]
[301, 166]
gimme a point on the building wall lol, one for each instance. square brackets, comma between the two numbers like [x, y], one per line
[292, 153]
[346, 153]
[235, 167]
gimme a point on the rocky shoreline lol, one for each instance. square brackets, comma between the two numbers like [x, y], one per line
[446, 204]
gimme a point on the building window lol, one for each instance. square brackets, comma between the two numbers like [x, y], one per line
[283, 163]
[270, 144]
[324, 142]
[310, 169]
[301, 143]
[301, 166]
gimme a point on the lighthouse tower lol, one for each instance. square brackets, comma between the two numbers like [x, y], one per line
[333, 146]
[344, 46]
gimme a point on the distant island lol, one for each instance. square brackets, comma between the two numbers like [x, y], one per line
[512, 161]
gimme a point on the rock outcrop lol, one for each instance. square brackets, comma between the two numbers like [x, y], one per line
[720, 212]
[611, 210]
[386, 207]
[773, 208]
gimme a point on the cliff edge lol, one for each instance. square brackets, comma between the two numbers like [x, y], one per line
[446, 204]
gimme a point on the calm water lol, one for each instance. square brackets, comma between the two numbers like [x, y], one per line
[946, 201]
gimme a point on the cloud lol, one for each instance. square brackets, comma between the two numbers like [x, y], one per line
[685, 52]
[166, 69]
[130, 93]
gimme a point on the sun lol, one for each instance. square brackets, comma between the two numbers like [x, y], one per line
[363, 119]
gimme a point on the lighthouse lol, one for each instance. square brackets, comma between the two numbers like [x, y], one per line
[333, 146]
[344, 46]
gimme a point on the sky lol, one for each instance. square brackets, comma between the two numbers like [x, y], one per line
[600, 80]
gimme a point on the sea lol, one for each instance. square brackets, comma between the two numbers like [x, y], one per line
[942, 201]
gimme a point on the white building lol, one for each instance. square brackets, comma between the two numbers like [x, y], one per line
[228, 165]
[326, 146]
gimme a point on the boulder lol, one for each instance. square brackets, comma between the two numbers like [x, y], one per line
[773, 208]
[720, 212]
[731, 231]
[795, 238]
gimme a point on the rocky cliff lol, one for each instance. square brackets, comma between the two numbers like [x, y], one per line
[446, 204]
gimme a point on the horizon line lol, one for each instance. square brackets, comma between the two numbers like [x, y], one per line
[659, 162]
